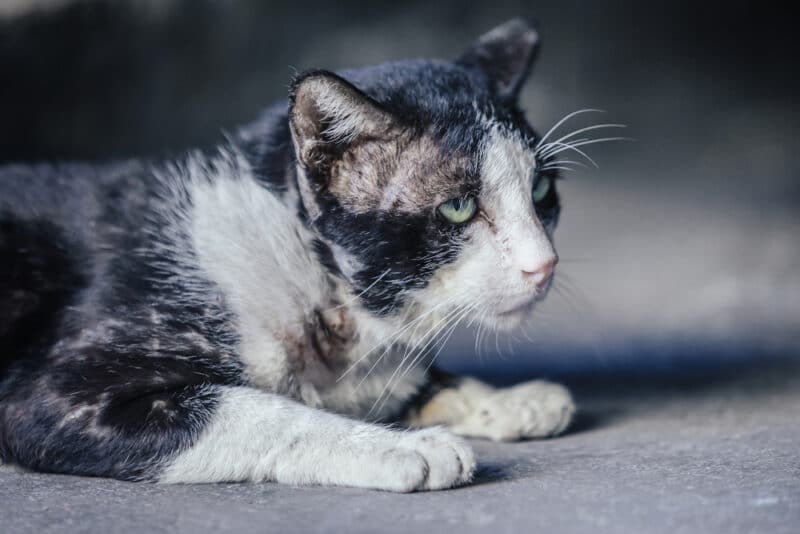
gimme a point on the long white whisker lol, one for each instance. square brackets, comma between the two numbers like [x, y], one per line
[562, 121]
[400, 365]
[464, 310]
[393, 336]
[431, 334]
[363, 292]
[567, 146]
[447, 336]
[559, 168]
[563, 161]
[588, 142]
[459, 312]
[581, 130]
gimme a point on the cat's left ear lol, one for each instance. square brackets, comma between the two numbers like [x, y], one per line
[328, 115]
[505, 56]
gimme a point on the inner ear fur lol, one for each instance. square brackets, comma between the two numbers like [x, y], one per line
[328, 114]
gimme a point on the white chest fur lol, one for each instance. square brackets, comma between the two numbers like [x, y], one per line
[260, 256]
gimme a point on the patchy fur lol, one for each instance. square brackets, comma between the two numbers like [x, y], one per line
[227, 315]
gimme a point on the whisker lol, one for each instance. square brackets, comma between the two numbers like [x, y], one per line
[567, 146]
[380, 399]
[388, 341]
[416, 323]
[562, 121]
[446, 340]
[477, 339]
[363, 292]
[431, 334]
[588, 142]
[569, 285]
[564, 161]
[567, 297]
[558, 168]
[580, 131]
[451, 322]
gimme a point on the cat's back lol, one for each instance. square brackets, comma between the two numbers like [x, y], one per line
[53, 220]
[68, 195]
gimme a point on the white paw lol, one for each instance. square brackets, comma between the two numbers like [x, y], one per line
[429, 459]
[535, 409]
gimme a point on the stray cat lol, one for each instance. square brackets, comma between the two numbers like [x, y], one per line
[241, 314]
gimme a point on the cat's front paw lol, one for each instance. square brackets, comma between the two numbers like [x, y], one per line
[536, 409]
[429, 459]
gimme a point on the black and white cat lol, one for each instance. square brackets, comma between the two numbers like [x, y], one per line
[258, 312]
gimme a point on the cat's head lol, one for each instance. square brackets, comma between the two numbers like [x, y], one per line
[423, 182]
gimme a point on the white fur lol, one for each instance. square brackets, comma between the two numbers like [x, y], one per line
[257, 251]
[471, 408]
[490, 269]
[260, 436]
[346, 114]
[535, 409]
[255, 248]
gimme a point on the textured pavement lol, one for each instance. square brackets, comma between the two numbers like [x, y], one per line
[704, 452]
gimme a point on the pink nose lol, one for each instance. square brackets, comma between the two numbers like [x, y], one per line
[541, 275]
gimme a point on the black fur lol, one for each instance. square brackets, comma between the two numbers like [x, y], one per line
[97, 327]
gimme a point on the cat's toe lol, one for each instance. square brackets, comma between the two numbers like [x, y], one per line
[545, 409]
[535, 409]
[399, 470]
[449, 459]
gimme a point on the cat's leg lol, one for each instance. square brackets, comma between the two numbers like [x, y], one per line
[225, 433]
[468, 407]
[260, 436]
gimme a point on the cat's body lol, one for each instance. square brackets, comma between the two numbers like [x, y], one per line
[205, 319]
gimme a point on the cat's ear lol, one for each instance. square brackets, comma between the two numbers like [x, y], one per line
[327, 114]
[505, 56]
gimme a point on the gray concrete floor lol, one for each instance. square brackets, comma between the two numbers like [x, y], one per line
[699, 453]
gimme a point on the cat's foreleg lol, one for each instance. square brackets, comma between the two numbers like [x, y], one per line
[468, 407]
[260, 436]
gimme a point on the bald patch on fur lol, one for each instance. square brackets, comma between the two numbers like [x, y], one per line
[405, 175]
[320, 354]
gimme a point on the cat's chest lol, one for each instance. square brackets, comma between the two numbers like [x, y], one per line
[298, 332]
[320, 350]
[345, 366]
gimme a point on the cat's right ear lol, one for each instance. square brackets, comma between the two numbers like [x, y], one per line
[505, 56]
[327, 115]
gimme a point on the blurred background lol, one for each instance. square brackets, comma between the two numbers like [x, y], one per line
[680, 253]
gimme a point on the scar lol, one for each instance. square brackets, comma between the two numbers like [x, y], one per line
[482, 214]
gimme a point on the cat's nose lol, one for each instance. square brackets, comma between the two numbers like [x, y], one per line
[541, 273]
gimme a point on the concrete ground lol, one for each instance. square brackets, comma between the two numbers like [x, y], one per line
[705, 452]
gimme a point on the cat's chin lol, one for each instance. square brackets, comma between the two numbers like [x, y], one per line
[510, 319]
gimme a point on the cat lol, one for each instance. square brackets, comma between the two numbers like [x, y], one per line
[270, 310]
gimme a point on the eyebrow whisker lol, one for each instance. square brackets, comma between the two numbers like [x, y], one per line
[563, 120]
[579, 131]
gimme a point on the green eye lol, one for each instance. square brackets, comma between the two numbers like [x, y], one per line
[541, 189]
[458, 210]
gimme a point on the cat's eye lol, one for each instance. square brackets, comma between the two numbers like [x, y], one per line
[541, 189]
[458, 210]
